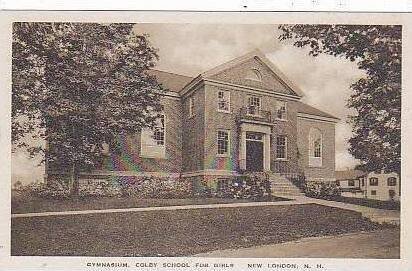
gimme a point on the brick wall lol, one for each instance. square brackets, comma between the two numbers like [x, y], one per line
[130, 160]
[327, 170]
[215, 120]
[194, 132]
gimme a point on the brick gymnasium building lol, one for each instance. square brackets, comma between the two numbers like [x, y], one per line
[243, 115]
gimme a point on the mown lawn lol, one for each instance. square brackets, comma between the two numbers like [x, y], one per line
[25, 203]
[178, 232]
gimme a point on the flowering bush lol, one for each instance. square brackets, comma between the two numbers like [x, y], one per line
[51, 190]
[248, 186]
[152, 187]
[322, 190]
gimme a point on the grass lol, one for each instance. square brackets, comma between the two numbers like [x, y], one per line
[387, 205]
[25, 203]
[178, 232]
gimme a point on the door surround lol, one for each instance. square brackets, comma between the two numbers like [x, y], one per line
[265, 130]
[254, 151]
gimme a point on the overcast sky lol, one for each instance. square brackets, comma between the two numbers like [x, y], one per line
[190, 49]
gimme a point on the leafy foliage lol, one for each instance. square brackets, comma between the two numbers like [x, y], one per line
[377, 50]
[78, 86]
[255, 186]
[322, 190]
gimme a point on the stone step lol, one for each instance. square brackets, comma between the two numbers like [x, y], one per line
[286, 191]
[287, 194]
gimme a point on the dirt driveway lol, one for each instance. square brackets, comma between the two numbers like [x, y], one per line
[380, 244]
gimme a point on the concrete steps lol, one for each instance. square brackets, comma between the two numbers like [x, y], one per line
[283, 187]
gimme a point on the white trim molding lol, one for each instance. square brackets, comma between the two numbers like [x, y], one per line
[317, 118]
[252, 90]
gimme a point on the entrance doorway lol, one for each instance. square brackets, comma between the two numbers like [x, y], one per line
[254, 152]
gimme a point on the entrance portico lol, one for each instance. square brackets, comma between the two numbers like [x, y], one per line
[254, 149]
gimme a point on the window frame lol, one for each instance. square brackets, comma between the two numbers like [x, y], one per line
[389, 183]
[249, 105]
[227, 153]
[285, 113]
[154, 150]
[373, 183]
[314, 134]
[351, 182]
[285, 148]
[227, 101]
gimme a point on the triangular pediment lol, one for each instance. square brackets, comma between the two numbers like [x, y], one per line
[253, 70]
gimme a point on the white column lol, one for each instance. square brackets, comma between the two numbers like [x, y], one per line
[266, 152]
[242, 150]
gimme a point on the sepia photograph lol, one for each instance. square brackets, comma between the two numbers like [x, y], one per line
[209, 140]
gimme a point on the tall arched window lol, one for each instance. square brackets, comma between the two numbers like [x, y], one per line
[315, 147]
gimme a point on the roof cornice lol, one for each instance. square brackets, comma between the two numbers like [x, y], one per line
[317, 118]
[251, 89]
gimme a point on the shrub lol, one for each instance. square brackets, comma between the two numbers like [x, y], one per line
[51, 190]
[152, 187]
[248, 186]
[322, 190]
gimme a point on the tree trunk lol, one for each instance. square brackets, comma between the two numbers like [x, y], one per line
[74, 181]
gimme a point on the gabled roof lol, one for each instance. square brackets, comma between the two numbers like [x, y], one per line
[176, 82]
[172, 81]
[349, 174]
[264, 60]
[307, 109]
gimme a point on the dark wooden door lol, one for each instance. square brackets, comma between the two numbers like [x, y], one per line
[254, 156]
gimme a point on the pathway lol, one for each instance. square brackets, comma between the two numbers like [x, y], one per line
[382, 244]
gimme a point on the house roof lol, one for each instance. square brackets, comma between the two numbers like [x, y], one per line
[349, 174]
[307, 109]
[172, 81]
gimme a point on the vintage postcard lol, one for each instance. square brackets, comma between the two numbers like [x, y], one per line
[205, 141]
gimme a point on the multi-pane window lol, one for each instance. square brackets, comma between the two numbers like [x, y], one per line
[317, 147]
[351, 183]
[159, 131]
[152, 140]
[391, 181]
[281, 147]
[191, 106]
[223, 142]
[254, 105]
[281, 110]
[373, 181]
[223, 101]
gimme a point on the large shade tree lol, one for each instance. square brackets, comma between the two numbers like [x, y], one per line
[376, 98]
[78, 86]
